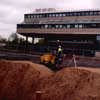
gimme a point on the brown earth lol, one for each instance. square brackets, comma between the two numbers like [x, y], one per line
[20, 80]
[73, 84]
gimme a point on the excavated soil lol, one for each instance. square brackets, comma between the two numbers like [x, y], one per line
[21, 80]
[72, 84]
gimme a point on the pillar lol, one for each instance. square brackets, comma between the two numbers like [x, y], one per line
[32, 40]
[26, 45]
[26, 39]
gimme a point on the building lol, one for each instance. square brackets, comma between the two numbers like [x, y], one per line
[78, 31]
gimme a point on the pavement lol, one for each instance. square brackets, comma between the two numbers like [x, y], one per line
[19, 56]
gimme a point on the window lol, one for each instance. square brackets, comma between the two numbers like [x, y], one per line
[37, 16]
[60, 26]
[28, 16]
[64, 15]
[76, 26]
[50, 15]
[70, 14]
[41, 16]
[57, 15]
[64, 26]
[98, 13]
[83, 14]
[42, 26]
[80, 26]
[34, 16]
[49, 26]
[72, 26]
[53, 15]
[46, 26]
[93, 25]
[78, 14]
[57, 26]
[86, 13]
[31, 16]
[91, 13]
[60, 15]
[67, 14]
[74, 14]
[95, 13]
[68, 26]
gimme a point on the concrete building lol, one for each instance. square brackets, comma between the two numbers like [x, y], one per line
[78, 31]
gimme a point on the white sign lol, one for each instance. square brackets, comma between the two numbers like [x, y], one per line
[45, 10]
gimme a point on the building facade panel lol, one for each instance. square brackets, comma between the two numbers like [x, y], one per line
[60, 31]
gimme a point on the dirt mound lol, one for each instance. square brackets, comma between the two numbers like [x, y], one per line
[19, 80]
[72, 84]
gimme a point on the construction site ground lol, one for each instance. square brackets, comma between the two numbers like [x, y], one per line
[24, 80]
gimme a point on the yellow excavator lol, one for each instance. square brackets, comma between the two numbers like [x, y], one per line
[52, 60]
[48, 58]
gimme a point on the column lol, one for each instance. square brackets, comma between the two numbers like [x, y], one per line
[26, 45]
[32, 40]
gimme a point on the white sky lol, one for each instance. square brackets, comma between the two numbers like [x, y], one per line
[12, 11]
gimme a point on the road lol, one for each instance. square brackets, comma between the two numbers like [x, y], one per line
[80, 61]
[19, 56]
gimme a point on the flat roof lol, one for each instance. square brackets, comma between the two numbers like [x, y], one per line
[63, 11]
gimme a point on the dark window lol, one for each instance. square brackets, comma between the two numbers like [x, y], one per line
[95, 13]
[70, 14]
[83, 14]
[78, 13]
[26, 16]
[67, 14]
[34, 16]
[86, 13]
[93, 25]
[49, 26]
[47, 15]
[99, 13]
[74, 14]
[29, 16]
[91, 13]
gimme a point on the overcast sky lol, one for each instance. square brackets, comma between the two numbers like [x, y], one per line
[12, 11]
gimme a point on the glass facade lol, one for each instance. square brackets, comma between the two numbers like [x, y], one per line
[89, 25]
[63, 14]
[80, 42]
